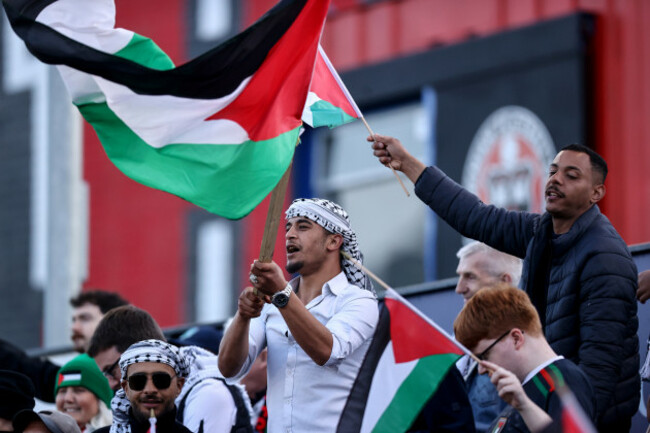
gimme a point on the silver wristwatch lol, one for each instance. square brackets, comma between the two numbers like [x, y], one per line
[281, 299]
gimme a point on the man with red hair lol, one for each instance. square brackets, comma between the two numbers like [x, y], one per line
[501, 326]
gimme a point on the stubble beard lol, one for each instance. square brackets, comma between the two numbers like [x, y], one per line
[294, 267]
[141, 416]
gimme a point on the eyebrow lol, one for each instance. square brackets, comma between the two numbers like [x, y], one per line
[569, 167]
[290, 224]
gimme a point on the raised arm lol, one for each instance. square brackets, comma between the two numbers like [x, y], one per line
[311, 335]
[233, 349]
[352, 324]
[504, 230]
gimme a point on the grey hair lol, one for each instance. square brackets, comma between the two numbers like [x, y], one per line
[500, 263]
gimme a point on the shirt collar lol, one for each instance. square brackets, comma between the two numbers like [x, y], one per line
[540, 367]
[334, 286]
[337, 284]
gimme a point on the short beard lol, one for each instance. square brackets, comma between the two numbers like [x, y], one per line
[294, 267]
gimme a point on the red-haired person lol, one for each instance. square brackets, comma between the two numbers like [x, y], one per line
[502, 328]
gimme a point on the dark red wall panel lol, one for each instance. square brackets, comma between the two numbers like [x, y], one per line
[137, 239]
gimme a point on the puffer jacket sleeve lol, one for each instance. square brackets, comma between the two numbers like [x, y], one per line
[507, 231]
[607, 317]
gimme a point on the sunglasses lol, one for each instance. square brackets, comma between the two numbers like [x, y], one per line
[138, 381]
[108, 371]
[484, 354]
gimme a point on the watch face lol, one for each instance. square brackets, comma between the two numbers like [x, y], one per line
[280, 300]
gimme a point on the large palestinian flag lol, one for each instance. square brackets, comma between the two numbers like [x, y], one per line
[407, 359]
[218, 131]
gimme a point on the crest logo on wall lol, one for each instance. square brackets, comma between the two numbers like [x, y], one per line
[508, 160]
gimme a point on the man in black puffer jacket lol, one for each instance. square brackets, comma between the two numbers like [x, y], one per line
[577, 269]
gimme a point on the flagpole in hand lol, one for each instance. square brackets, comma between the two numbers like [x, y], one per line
[399, 179]
[273, 217]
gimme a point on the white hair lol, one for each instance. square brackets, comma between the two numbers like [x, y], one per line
[499, 263]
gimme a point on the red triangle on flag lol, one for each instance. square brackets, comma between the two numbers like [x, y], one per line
[324, 85]
[273, 101]
[413, 337]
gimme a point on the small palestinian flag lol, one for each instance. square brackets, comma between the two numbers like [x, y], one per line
[68, 377]
[574, 418]
[218, 131]
[407, 359]
[329, 102]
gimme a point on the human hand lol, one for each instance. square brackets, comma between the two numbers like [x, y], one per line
[391, 152]
[508, 385]
[388, 150]
[643, 292]
[249, 304]
[269, 276]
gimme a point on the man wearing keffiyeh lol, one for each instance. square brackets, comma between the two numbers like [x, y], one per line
[318, 326]
[153, 374]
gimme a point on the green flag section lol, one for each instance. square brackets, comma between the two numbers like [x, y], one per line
[218, 131]
[408, 358]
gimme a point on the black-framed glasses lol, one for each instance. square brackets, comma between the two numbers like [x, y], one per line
[484, 354]
[108, 371]
[161, 380]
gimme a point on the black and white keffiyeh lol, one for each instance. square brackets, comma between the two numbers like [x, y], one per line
[144, 351]
[335, 219]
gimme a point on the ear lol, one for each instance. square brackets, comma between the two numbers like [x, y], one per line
[180, 382]
[518, 337]
[334, 241]
[505, 278]
[597, 193]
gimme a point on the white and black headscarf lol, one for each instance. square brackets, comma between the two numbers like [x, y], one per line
[335, 219]
[144, 351]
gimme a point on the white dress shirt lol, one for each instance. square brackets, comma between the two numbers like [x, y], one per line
[301, 395]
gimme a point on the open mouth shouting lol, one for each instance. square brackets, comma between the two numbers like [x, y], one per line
[552, 193]
[292, 249]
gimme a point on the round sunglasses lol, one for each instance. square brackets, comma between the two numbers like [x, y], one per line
[138, 381]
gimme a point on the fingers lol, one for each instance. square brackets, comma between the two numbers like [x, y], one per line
[249, 305]
[489, 366]
[268, 277]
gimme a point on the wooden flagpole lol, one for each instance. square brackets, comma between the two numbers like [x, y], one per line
[273, 217]
[399, 179]
[415, 310]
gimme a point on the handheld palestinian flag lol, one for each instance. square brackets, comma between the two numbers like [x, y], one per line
[218, 131]
[407, 359]
[329, 102]
[574, 418]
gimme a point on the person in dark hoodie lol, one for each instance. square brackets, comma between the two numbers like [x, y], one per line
[577, 269]
[16, 394]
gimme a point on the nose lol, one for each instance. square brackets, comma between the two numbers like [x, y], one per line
[75, 325]
[290, 233]
[113, 383]
[149, 387]
[460, 286]
[555, 178]
[68, 395]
